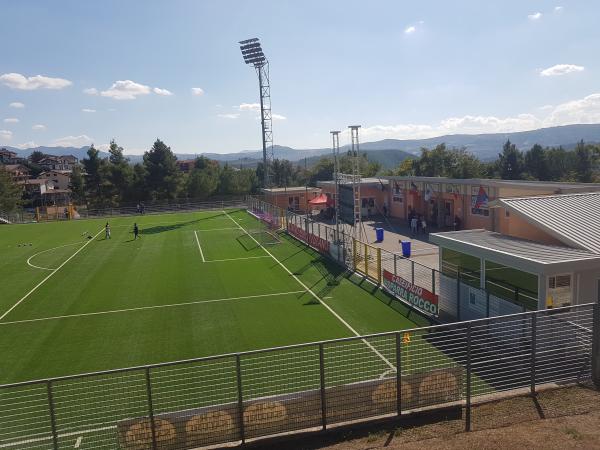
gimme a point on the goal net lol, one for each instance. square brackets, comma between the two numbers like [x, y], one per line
[255, 238]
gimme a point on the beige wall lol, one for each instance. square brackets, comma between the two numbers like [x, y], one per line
[514, 225]
[281, 198]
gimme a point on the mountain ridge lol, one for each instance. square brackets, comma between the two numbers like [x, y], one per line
[485, 146]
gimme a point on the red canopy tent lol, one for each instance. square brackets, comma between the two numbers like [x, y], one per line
[321, 200]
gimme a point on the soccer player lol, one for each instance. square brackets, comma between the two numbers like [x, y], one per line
[136, 231]
[107, 230]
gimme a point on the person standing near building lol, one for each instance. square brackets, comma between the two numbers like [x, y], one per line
[424, 225]
[413, 225]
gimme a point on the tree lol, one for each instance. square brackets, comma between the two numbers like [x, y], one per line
[536, 163]
[10, 192]
[77, 185]
[36, 156]
[584, 162]
[119, 172]
[162, 175]
[510, 162]
[137, 190]
[203, 181]
[95, 178]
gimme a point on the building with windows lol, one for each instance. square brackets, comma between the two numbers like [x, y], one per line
[465, 204]
[60, 178]
[51, 162]
[374, 196]
[291, 198]
[546, 253]
[18, 172]
[9, 157]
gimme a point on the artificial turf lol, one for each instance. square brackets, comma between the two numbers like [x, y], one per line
[193, 285]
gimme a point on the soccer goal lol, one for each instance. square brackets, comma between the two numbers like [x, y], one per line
[265, 237]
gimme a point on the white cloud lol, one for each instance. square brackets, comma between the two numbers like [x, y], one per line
[17, 105]
[160, 91]
[5, 135]
[91, 91]
[39, 127]
[126, 90]
[73, 141]
[278, 117]
[410, 30]
[88, 110]
[561, 69]
[585, 110]
[21, 82]
[29, 144]
[558, 8]
[197, 91]
[11, 120]
[228, 116]
[248, 107]
[535, 16]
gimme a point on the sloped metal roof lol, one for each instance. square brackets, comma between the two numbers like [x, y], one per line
[574, 219]
[514, 247]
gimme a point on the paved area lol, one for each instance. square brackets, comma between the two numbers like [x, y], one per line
[422, 251]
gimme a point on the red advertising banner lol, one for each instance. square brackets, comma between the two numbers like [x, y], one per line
[314, 241]
[420, 298]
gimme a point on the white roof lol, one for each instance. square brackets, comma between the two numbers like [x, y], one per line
[574, 219]
[515, 252]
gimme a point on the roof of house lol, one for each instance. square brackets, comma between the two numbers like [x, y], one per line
[514, 252]
[39, 181]
[369, 180]
[556, 185]
[60, 172]
[573, 219]
[15, 167]
[283, 190]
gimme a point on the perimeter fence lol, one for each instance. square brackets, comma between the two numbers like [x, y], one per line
[60, 213]
[442, 297]
[239, 397]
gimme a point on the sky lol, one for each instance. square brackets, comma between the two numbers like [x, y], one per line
[74, 73]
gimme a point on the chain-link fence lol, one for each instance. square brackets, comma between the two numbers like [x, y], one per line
[237, 397]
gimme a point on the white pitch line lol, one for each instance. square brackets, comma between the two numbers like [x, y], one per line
[321, 301]
[44, 251]
[199, 247]
[60, 435]
[237, 259]
[219, 229]
[78, 442]
[50, 275]
[142, 308]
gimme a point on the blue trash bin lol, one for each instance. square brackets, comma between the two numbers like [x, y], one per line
[406, 249]
[379, 234]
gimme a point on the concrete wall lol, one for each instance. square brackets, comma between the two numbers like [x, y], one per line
[514, 225]
[586, 287]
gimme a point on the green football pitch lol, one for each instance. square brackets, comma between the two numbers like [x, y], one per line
[193, 285]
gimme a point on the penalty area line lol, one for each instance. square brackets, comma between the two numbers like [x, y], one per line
[143, 308]
[320, 300]
[199, 246]
[50, 275]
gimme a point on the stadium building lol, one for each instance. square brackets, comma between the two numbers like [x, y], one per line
[549, 250]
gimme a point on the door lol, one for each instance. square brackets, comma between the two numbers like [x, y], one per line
[449, 213]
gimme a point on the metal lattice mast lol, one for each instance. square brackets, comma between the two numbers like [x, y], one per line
[253, 55]
[335, 136]
[355, 157]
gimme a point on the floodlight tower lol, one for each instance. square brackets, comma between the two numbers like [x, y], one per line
[355, 157]
[253, 55]
[335, 136]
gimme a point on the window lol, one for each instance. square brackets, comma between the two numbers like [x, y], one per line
[559, 289]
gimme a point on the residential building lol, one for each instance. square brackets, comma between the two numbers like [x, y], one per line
[186, 165]
[18, 172]
[9, 157]
[51, 162]
[60, 178]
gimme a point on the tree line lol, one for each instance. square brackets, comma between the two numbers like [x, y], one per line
[105, 182]
[581, 164]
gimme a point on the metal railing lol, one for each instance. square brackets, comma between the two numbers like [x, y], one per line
[457, 298]
[242, 396]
